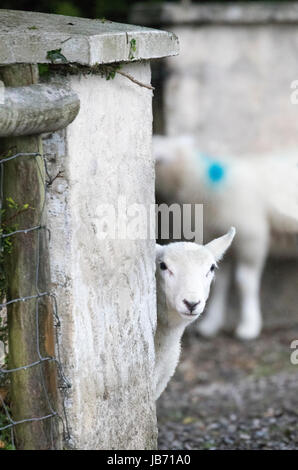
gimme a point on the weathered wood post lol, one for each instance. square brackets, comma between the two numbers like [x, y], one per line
[28, 110]
[105, 288]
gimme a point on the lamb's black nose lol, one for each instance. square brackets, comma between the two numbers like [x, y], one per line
[191, 305]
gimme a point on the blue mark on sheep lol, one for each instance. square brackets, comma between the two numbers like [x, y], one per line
[215, 170]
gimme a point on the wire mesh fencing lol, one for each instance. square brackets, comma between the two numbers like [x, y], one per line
[5, 372]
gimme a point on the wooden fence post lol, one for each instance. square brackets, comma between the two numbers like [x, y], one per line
[24, 181]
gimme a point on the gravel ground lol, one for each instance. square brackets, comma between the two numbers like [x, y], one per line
[232, 395]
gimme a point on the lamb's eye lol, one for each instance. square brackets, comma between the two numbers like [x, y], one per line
[212, 268]
[163, 266]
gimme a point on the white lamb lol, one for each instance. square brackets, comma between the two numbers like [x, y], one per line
[258, 195]
[184, 272]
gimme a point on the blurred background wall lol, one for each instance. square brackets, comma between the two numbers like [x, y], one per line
[230, 85]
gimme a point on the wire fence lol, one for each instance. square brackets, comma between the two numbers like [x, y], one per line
[63, 383]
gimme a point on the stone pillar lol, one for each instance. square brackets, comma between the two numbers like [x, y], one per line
[105, 288]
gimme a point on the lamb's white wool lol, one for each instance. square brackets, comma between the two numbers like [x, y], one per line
[257, 194]
[184, 272]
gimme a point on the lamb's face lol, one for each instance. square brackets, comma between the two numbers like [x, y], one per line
[185, 272]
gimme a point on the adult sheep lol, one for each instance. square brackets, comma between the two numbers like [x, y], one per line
[256, 193]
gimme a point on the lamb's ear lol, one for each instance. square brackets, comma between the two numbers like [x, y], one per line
[159, 249]
[218, 246]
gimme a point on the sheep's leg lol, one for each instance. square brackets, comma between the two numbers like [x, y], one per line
[248, 279]
[215, 315]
